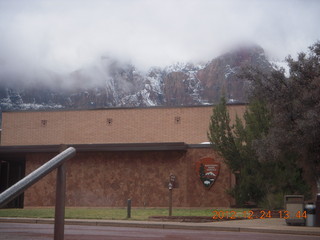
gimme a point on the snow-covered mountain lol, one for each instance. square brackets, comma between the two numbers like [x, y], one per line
[110, 83]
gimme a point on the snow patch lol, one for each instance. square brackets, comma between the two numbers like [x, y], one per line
[277, 65]
[229, 71]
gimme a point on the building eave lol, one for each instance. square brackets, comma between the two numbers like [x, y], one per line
[114, 147]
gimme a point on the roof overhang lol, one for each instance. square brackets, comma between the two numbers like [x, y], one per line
[116, 147]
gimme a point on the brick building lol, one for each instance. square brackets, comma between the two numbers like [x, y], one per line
[121, 153]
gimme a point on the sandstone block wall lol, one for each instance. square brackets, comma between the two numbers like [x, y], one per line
[108, 179]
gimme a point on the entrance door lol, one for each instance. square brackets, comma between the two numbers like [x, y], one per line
[11, 171]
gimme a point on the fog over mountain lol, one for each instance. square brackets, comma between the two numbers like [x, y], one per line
[80, 54]
[124, 85]
[44, 41]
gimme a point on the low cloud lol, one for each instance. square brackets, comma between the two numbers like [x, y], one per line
[41, 37]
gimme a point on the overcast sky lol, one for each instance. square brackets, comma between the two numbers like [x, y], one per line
[65, 35]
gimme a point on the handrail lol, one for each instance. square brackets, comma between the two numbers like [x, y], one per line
[56, 162]
[18, 188]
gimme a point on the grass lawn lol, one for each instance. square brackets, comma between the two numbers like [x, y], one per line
[110, 213]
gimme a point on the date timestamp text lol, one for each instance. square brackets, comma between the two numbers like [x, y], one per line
[258, 214]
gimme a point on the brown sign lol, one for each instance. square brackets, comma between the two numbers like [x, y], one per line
[208, 170]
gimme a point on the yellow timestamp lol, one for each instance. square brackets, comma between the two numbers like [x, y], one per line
[262, 214]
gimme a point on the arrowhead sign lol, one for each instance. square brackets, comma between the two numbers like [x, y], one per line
[208, 170]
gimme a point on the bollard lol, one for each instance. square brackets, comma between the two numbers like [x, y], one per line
[129, 208]
[170, 199]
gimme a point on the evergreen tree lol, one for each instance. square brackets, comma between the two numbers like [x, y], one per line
[276, 145]
[294, 102]
[221, 136]
[235, 143]
[264, 182]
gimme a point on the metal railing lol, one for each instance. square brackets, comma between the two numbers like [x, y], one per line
[56, 162]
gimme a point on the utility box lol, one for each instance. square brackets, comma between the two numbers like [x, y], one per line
[294, 206]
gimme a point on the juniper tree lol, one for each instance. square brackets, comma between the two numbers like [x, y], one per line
[294, 103]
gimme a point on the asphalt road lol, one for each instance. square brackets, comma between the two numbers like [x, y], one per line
[17, 231]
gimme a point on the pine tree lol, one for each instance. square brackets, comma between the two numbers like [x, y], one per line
[221, 136]
[235, 143]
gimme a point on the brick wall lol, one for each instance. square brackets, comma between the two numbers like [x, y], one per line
[108, 179]
[136, 125]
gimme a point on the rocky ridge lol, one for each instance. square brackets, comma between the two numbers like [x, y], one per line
[122, 85]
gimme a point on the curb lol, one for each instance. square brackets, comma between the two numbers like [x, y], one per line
[311, 231]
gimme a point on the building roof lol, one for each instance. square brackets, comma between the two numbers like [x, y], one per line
[121, 108]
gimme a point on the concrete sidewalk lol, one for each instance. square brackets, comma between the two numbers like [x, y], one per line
[272, 225]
